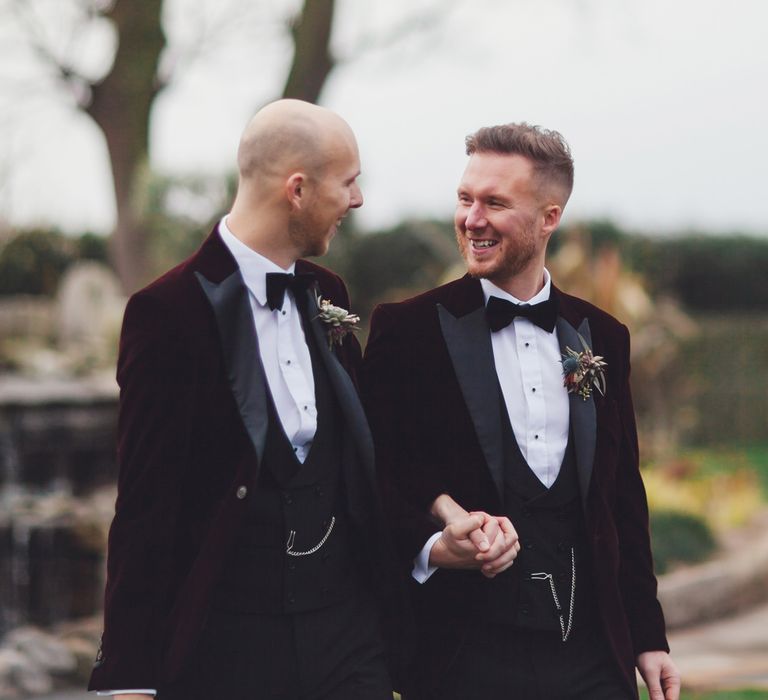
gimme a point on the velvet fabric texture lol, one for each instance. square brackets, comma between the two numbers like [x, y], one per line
[434, 433]
[191, 432]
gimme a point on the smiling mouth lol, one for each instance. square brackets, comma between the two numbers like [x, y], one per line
[481, 245]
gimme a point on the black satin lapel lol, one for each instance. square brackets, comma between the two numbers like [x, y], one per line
[344, 388]
[468, 339]
[583, 416]
[240, 348]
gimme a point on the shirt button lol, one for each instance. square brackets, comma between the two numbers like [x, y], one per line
[533, 390]
[527, 345]
[535, 437]
[287, 362]
[306, 408]
[283, 312]
[242, 492]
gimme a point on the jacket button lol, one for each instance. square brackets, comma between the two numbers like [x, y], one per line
[524, 611]
[291, 600]
[291, 567]
[242, 492]
[287, 498]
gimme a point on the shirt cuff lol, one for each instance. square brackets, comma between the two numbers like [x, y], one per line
[421, 569]
[142, 691]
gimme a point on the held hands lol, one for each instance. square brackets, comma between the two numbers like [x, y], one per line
[660, 675]
[473, 540]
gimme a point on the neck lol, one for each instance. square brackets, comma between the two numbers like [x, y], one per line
[525, 285]
[261, 232]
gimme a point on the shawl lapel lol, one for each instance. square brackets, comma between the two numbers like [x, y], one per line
[345, 390]
[582, 412]
[240, 351]
[468, 339]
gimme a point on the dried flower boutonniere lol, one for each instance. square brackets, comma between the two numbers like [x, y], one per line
[582, 371]
[338, 321]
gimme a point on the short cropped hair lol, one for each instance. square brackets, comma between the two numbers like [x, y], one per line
[546, 149]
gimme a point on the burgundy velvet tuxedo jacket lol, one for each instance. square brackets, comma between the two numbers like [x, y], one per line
[431, 392]
[192, 429]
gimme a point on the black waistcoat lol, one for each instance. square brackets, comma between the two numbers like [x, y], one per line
[299, 498]
[550, 524]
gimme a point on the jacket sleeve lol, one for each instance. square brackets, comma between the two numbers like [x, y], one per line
[389, 390]
[153, 375]
[637, 582]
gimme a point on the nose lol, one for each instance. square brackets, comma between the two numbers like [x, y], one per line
[475, 218]
[356, 198]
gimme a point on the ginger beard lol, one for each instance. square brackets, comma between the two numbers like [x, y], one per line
[506, 258]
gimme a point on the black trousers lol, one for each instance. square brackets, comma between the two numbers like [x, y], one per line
[335, 653]
[497, 662]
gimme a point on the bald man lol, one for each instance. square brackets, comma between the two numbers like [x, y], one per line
[239, 560]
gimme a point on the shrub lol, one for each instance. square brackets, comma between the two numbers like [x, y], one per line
[679, 538]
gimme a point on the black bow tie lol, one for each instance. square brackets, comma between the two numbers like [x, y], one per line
[500, 313]
[278, 282]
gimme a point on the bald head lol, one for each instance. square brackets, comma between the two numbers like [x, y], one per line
[291, 135]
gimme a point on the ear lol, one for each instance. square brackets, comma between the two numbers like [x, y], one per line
[295, 189]
[552, 214]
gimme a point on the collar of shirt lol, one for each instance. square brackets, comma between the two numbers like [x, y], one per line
[253, 266]
[491, 290]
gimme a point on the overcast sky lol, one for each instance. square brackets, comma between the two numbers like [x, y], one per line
[664, 103]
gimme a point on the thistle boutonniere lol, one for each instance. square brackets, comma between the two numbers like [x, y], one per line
[339, 322]
[582, 371]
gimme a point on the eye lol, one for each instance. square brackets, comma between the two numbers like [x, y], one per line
[465, 199]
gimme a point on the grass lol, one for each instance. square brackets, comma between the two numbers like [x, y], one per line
[717, 695]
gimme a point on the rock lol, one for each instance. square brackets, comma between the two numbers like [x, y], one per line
[84, 651]
[23, 674]
[46, 651]
[90, 307]
[731, 582]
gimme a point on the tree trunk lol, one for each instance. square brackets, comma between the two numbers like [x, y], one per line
[312, 60]
[121, 107]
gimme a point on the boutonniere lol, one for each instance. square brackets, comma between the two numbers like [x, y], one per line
[339, 322]
[582, 371]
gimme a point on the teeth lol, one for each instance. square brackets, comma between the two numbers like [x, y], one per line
[483, 244]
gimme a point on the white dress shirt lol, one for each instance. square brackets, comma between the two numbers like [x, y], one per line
[284, 357]
[528, 365]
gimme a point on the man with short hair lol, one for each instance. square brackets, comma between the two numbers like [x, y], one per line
[246, 544]
[499, 394]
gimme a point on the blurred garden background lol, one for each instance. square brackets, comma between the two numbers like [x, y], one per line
[119, 122]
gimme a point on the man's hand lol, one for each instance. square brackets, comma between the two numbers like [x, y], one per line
[503, 546]
[472, 540]
[660, 675]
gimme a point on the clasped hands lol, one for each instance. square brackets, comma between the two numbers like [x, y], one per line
[472, 540]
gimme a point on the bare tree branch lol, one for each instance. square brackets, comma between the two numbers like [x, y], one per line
[423, 22]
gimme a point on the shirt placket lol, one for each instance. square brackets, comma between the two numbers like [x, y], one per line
[533, 389]
[303, 423]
